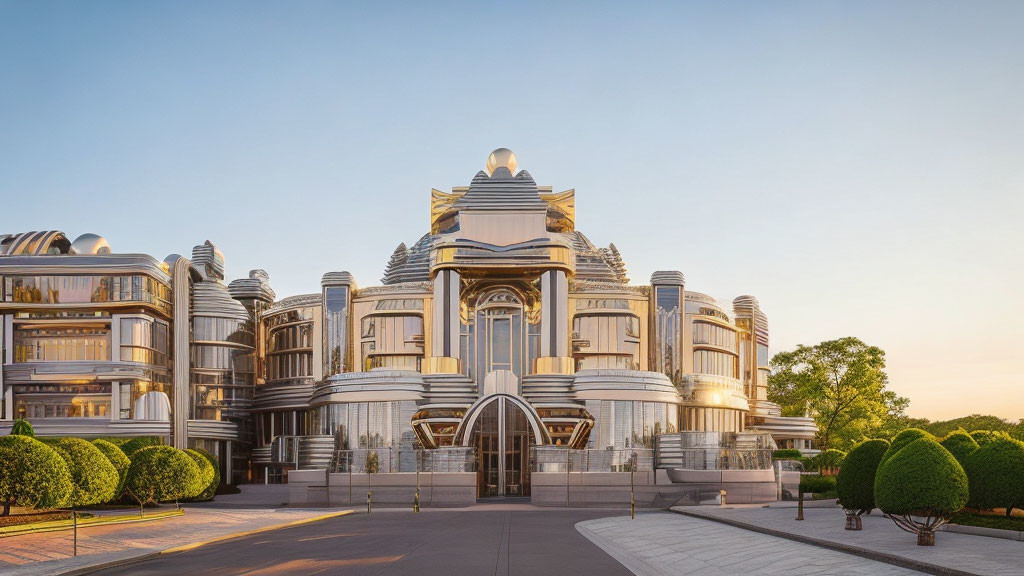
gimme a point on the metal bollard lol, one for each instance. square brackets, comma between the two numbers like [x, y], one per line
[800, 506]
[368, 501]
[416, 501]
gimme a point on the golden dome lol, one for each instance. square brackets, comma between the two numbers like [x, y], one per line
[501, 157]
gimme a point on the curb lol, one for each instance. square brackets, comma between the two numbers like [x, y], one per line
[186, 547]
[900, 561]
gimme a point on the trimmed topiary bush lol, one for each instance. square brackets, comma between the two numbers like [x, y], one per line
[855, 484]
[138, 443]
[960, 445]
[996, 475]
[21, 427]
[118, 459]
[206, 474]
[983, 437]
[94, 478]
[32, 474]
[787, 454]
[925, 480]
[902, 439]
[162, 474]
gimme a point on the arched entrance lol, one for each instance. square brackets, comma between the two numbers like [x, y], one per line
[502, 428]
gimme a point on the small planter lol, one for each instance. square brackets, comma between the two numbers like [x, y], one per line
[853, 522]
[926, 538]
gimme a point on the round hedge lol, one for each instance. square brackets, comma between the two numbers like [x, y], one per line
[162, 474]
[32, 474]
[922, 479]
[21, 427]
[855, 484]
[206, 474]
[960, 445]
[116, 457]
[901, 440]
[983, 437]
[996, 475]
[94, 478]
[138, 443]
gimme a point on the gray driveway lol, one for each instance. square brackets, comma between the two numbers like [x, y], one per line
[478, 541]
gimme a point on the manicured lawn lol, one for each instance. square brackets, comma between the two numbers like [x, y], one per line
[33, 517]
[999, 521]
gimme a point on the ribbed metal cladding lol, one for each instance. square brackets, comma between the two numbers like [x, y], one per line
[502, 191]
[668, 277]
[255, 287]
[747, 306]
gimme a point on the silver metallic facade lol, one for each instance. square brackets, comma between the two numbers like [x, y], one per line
[502, 328]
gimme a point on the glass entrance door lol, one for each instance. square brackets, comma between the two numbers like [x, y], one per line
[502, 437]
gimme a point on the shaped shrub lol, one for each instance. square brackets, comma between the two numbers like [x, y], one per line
[983, 437]
[855, 484]
[206, 475]
[787, 454]
[32, 474]
[162, 474]
[960, 444]
[118, 459]
[94, 478]
[925, 480]
[996, 475]
[135, 444]
[21, 427]
[902, 439]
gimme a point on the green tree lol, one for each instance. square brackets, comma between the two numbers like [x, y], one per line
[842, 383]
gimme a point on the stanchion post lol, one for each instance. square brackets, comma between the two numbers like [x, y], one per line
[800, 505]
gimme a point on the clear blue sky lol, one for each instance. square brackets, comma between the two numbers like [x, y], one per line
[858, 166]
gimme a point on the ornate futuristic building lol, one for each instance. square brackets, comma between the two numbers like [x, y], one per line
[501, 329]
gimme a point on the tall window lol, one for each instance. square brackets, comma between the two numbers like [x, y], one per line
[499, 333]
[668, 354]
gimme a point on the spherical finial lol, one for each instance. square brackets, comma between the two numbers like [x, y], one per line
[502, 157]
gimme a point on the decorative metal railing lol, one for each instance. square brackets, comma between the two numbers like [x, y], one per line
[398, 459]
[564, 459]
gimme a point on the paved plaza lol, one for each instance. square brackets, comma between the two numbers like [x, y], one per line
[504, 538]
[953, 552]
[664, 543]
